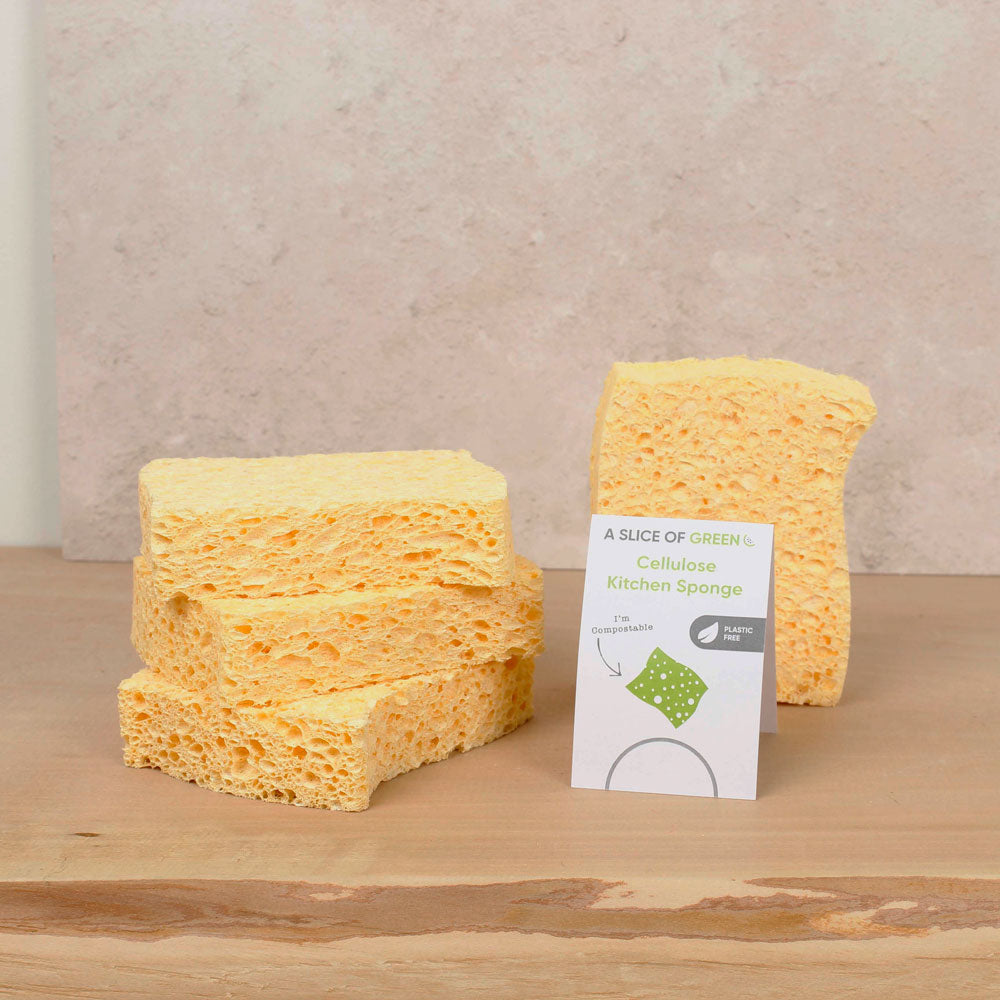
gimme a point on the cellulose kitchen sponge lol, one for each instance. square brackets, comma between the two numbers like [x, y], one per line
[270, 650]
[329, 751]
[735, 439]
[262, 527]
[313, 626]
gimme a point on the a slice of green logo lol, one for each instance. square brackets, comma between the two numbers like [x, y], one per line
[669, 686]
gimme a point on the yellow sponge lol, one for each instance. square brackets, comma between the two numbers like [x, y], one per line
[264, 527]
[329, 752]
[269, 650]
[734, 439]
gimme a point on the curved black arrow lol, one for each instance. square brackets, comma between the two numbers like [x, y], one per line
[614, 673]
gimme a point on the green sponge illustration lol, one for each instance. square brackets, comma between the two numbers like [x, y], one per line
[669, 686]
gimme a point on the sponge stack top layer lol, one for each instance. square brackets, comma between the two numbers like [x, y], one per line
[265, 527]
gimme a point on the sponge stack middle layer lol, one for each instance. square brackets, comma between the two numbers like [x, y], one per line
[270, 650]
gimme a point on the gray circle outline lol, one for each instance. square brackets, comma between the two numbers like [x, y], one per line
[662, 739]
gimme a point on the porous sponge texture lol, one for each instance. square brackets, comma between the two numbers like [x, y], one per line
[271, 650]
[735, 439]
[329, 752]
[264, 527]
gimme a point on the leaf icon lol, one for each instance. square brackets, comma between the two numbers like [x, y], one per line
[708, 634]
[670, 687]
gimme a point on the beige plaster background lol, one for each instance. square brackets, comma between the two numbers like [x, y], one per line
[321, 226]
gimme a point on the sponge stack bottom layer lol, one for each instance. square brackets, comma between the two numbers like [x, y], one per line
[328, 751]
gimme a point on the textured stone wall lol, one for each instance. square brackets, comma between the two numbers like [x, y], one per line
[321, 226]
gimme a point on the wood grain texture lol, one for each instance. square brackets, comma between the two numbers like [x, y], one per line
[801, 909]
[870, 865]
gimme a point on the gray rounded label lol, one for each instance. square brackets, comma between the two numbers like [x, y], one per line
[742, 635]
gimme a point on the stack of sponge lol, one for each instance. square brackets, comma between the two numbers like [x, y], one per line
[313, 626]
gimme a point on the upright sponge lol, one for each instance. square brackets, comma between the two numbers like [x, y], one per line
[734, 439]
[329, 752]
[270, 650]
[264, 527]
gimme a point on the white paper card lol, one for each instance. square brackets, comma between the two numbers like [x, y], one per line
[676, 649]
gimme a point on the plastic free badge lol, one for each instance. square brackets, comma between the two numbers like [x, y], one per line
[675, 676]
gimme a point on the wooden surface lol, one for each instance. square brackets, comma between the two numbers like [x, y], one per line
[869, 866]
